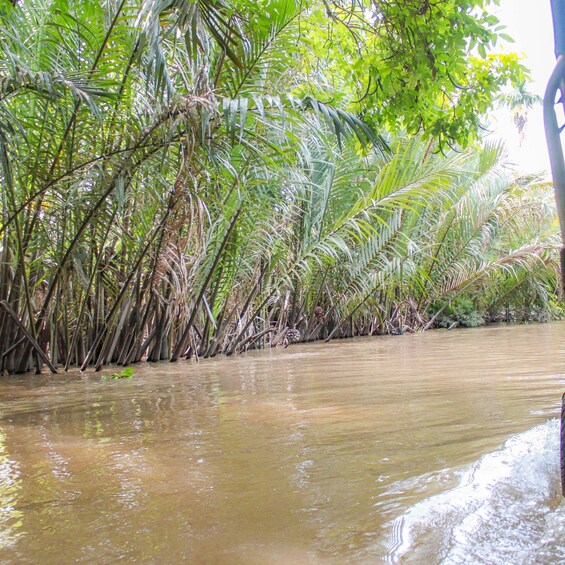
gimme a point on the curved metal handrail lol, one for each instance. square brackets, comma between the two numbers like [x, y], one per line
[555, 149]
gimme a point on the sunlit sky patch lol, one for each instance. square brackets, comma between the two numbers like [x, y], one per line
[530, 24]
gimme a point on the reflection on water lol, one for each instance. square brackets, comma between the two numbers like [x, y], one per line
[349, 452]
[10, 517]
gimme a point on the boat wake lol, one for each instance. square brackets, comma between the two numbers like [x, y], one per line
[507, 508]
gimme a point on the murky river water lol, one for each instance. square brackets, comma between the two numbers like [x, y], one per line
[432, 448]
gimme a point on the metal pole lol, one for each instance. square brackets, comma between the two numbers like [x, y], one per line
[552, 127]
[553, 136]
[555, 149]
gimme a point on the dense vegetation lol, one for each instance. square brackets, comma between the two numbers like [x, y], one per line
[194, 177]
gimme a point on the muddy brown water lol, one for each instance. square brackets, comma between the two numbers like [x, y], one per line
[430, 448]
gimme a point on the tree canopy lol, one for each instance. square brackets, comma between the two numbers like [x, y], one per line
[415, 65]
[418, 65]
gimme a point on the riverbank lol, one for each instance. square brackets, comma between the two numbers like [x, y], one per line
[449, 319]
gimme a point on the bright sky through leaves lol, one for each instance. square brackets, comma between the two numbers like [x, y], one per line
[530, 24]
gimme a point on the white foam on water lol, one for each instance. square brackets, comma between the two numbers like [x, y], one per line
[507, 508]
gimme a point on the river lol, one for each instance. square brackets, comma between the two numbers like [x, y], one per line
[429, 448]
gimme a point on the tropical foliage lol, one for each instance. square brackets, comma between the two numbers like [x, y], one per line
[182, 178]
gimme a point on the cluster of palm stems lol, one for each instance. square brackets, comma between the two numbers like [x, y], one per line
[165, 195]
